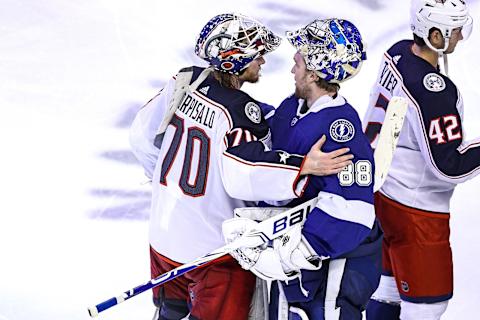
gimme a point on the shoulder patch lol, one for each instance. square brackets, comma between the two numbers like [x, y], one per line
[434, 82]
[342, 130]
[253, 112]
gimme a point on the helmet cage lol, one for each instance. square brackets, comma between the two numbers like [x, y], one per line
[333, 48]
[230, 42]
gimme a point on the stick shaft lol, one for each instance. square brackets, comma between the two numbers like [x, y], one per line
[265, 231]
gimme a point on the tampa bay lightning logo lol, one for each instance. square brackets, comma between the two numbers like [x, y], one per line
[342, 130]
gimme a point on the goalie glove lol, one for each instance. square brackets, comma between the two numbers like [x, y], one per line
[282, 261]
[295, 252]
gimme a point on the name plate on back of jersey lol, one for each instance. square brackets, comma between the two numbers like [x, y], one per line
[198, 110]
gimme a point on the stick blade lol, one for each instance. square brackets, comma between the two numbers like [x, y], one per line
[388, 138]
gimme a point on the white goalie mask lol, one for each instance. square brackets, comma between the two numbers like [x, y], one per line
[445, 15]
[231, 41]
[333, 48]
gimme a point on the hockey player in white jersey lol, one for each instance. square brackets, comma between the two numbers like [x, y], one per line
[332, 263]
[212, 158]
[431, 158]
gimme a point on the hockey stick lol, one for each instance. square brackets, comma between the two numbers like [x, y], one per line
[279, 224]
[388, 139]
[265, 231]
[182, 85]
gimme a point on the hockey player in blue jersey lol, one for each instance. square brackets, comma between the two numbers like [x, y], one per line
[332, 263]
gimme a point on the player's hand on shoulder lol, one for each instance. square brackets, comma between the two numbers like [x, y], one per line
[321, 163]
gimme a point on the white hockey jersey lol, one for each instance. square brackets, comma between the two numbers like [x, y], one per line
[431, 157]
[211, 159]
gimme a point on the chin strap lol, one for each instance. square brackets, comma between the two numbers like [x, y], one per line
[445, 64]
[442, 62]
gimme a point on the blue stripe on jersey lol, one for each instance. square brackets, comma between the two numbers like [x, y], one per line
[349, 210]
[340, 224]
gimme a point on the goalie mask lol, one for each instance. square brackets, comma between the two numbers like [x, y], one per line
[445, 15]
[333, 48]
[229, 42]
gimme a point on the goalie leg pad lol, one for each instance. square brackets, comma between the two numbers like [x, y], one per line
[259, 304]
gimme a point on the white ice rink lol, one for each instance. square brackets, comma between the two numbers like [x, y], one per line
[73, 209]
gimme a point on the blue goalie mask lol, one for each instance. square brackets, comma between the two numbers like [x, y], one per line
[333, 48]
[230, 42]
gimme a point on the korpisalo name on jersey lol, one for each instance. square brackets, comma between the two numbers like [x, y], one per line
[197, 110]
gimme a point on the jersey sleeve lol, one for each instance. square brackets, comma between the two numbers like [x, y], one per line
[435, 117]
[268, 112]
[344, 214]
[143, 137]
[250, 170]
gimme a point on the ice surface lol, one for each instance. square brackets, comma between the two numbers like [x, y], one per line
[73, 226]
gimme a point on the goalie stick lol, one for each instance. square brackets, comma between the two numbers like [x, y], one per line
[265, 231]
[278, 225]
[388, 139]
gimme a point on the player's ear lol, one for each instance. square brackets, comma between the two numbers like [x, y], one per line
[312, 75]
[436, 38]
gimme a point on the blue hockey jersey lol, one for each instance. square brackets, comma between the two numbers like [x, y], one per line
[344, 215]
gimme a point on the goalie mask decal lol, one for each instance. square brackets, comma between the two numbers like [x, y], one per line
[342, 130]
[253, 112]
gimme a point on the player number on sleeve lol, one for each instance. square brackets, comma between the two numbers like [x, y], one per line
[359, 173]
[444, 129]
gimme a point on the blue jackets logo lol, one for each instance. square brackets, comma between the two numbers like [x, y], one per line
[342, 130]
[434, 82]
[253, 112]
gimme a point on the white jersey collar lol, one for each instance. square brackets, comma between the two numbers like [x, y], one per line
[321, 103]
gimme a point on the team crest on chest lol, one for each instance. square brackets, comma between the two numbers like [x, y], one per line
[342, 130]
[253, 112]
[433, 82]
